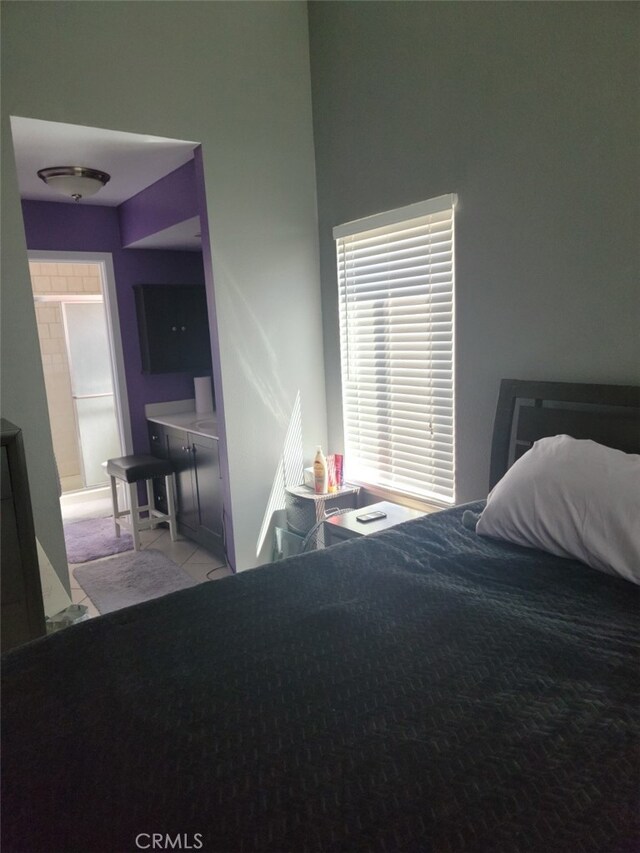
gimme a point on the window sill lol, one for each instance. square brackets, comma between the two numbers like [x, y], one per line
[380, 493]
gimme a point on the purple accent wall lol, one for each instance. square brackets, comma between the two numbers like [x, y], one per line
[169, 201]
[60, 227]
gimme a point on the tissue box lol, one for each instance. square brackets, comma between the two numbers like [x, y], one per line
[308, 478]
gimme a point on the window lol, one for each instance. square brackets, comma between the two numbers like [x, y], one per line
[395, 280]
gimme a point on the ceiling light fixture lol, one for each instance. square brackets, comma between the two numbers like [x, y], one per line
[75, 182]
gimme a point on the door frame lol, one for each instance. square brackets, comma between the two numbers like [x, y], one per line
[105, 262]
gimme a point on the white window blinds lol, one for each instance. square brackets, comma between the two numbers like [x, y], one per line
[395, 279]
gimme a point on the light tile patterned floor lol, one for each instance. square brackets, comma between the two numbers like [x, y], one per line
[196, 561]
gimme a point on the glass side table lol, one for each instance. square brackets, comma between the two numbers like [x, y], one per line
[305, 508]
[346, 526]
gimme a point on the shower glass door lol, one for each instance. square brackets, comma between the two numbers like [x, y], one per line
[92, 387]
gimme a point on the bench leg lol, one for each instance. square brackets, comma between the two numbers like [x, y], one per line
[171, 506]
[150, 498]
[135, 515]
[114, 502]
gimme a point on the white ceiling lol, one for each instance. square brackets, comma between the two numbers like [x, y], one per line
[134, 161]
[185, 235]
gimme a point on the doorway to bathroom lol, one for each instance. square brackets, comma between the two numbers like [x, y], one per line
[82, 366]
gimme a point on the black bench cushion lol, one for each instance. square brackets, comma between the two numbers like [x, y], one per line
[134, 468]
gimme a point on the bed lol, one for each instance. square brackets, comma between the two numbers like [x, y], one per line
[422, 689]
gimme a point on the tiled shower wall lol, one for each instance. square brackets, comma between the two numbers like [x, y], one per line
[65, 278]
[53, 279]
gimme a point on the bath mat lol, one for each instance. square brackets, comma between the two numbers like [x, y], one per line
[131, 579]
[94, 538]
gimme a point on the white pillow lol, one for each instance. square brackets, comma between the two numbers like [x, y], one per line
[573, 498]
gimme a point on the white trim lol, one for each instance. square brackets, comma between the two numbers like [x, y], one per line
[68, 297]
[454, 358]
[105, 261]
[403, 498]
[95, 493]
[400, 214]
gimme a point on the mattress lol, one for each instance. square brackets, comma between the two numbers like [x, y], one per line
[421, 689]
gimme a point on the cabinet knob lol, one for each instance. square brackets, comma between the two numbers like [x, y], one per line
[154, 438]
[183, 328]
[174, 328]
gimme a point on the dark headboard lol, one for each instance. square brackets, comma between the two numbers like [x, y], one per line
[527, 411]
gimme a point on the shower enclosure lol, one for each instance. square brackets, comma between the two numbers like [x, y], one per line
[92, 392]
[78, 371]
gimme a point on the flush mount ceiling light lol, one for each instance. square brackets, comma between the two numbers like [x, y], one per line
[76, 182]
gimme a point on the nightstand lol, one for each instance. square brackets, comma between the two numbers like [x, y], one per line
[346, 526]
[304, 507]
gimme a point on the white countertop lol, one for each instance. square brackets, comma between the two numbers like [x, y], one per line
[200, 423]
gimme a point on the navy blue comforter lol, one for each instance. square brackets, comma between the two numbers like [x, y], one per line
[421, 689]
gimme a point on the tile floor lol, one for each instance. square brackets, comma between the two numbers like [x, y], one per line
[199, 563]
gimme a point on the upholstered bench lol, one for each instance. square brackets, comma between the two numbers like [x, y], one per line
[130, 470]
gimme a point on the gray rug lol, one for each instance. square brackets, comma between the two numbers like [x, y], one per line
[94, 538]
[130, 579]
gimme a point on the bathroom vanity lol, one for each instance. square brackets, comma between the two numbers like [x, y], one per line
[190, 441]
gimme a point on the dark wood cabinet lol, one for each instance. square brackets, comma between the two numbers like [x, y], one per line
[22, 606]
[158, 446]
[180, 454]
[173, 328]
[206, 467]
[198, 485]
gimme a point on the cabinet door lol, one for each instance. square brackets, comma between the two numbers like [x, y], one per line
[157, 327]
[180, 453]
[208, 483]
[193, 342]
[158, 447]
[157, 440]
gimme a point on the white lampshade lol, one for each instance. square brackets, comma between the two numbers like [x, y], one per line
[74, 181]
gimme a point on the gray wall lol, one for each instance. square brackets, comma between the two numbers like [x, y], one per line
[234, 77]
[22, 391]
[529, 112]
